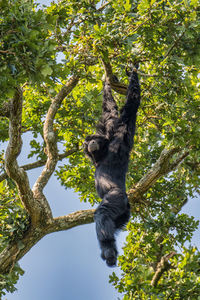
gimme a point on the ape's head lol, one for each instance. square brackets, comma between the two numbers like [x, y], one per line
[95, 147]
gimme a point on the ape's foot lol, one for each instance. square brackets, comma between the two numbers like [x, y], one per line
[110, 255]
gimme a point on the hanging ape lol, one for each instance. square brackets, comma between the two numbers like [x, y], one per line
[109, 150]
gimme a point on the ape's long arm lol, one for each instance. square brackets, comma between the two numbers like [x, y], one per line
[109, 112]
[129, 111]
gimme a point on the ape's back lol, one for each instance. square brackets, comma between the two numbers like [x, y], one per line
[111, 171]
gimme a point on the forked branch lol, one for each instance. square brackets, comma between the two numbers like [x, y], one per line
[164, 165]
[14, 149]
[50, 138]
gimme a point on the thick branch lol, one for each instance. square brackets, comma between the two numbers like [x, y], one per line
[17, 250]
[72, 220]
[50, 138]
[162, 267]
[13, 253]
[163, 166]
[12, 152]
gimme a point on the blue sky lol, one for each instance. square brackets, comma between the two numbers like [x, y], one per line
[67, 265]
[64, 265]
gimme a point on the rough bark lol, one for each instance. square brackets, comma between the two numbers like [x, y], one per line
[162, 266]
[50, 138]
[72, 220]
[12, 152]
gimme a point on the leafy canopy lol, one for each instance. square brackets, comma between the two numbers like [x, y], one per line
[40, 48]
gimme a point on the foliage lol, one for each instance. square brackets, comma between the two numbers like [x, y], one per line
[13, 222]
[13, 218]
[8, 281]
[40, 48]
[27, 51]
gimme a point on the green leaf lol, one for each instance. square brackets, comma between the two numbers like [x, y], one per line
[127, 5]
[46, 71]
[20, 245]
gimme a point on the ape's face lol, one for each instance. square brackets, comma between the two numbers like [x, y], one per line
[95, 146]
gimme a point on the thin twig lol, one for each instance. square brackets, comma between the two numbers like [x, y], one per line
[40, 163]
[174, 45]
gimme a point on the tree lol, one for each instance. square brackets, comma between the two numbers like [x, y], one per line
[52, 63]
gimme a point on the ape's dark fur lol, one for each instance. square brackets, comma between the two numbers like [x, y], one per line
[109, 150]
